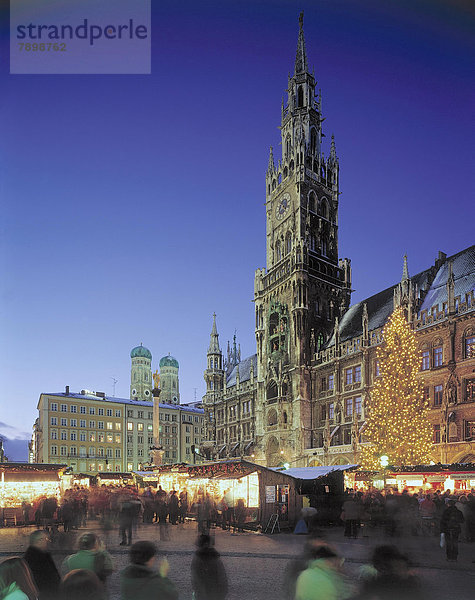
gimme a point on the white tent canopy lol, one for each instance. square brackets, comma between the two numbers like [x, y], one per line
[313, 472]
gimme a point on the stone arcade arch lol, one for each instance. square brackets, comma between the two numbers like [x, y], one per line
[273, 456]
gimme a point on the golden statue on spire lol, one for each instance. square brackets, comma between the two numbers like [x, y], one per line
[156, 379]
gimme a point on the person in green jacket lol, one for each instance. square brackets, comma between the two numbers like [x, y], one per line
[321, 580]
[91, 556]
[140, 581]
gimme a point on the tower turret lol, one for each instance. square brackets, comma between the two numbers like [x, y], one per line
[141, 374]
[169, 381]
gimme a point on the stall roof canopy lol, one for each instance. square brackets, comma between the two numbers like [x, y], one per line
[236, 468]
[30, 467]
[313, 472]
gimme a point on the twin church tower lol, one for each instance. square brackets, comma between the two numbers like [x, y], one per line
[260, 407]
[141, 378]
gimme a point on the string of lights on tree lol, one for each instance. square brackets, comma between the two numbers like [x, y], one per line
[397, 425]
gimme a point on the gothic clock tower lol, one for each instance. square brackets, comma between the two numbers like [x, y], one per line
[305, 287]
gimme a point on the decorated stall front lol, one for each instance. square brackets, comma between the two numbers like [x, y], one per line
[23, 485]
[457, 478]
[264, 492]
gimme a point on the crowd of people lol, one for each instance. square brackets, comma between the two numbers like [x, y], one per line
[425, 514]
[84, 574]
[315, 575]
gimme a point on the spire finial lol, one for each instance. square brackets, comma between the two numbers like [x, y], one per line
[271, 166]
[405, 270]
[333, 155]
[301, 58]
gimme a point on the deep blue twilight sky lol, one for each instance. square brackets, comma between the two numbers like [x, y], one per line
[132, 207]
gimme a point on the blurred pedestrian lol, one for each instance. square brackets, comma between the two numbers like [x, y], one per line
[299, 564]
[16, 580]
[173, 507]
[91, 556]
[82, 584]
[322, 580]
[389, 577]
[127, 512]
[41, 563]
[450, 526]
[351, 515]
[141, 581]
[208, 575]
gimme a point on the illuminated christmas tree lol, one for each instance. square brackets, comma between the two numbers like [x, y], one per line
[397, 424]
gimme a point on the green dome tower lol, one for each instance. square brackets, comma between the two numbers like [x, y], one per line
[169, 385]
[141, 382]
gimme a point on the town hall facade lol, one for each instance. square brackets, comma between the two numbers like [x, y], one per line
[301, 398]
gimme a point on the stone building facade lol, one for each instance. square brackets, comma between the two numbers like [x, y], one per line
[301, 398]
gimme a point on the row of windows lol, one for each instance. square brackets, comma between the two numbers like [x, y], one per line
[109, 412]
[84, 436]
[140, 426]
[140, 439]
[130, 452]
[351, 406]
[63, 422]
[93, 452]
[184, 418]
[140, 414]
[352, 375]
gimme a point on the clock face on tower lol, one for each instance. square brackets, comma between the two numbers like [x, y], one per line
[283, 206]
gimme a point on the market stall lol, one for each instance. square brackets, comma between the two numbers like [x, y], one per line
[265, 492]
[457, 477]
[114, 479]
[22, 485]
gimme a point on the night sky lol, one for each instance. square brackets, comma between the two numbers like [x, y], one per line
[132, 207]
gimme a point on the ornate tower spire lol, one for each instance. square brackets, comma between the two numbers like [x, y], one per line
[301, 58]
[214, 342]
[333, 156]
[271, 166]
[405, 270]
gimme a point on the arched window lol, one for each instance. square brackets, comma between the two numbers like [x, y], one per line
[272, 417]
[320, 341]
[323, 208]
[312, 241]
[437, 353]
[469, 343]
[278, 251]
[288, 146]
[300, 96]
[312, 202]
[284, 417]
[288, 242]
[313, 141]
[211, 385]
[324, 247]
[425, 358]
[272, 391]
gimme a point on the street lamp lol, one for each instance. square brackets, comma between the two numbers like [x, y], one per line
[384, 462]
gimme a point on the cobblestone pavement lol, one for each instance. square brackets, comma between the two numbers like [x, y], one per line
[255, 562]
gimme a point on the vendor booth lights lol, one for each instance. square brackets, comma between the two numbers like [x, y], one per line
[25, 482]
[246, 487]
